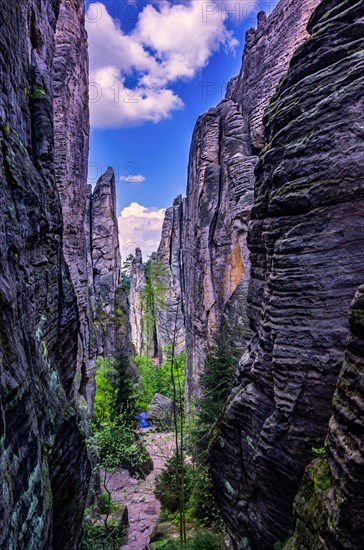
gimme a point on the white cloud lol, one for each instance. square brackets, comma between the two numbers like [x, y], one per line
[170, 42]
[132, 179]
[140, 227]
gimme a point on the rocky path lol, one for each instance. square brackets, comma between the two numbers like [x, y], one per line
[138, 495]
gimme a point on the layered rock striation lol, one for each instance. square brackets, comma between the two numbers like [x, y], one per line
[108, 299]
[223, 157]
[307, 260]
[329, 506]
[71, 132]
[44, 468]
[169, 305]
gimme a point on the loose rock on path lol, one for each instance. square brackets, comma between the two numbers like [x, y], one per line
[138, 495]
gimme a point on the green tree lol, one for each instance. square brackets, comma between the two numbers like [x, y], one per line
[126, 272]
[217, 383]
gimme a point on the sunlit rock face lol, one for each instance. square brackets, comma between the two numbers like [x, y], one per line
[306, 240]
[137, 284]
[71, 131]
[44, 469]
[106, 265]
[220, 191]
[157, 321]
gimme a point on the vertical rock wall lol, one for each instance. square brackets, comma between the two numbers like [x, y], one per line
[137, 284]
[223, 156]
[71, 131]
[306, 241]
[160, 323]
[44, 469]
[329, 506]
[169, 308]
[106, 263]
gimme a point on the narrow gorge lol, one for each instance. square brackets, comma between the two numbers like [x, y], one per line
[239, 339]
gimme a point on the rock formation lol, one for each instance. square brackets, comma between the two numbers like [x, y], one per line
[330, 506]
[106, 265]
[44, 468]
[169, 310]
[137, 284]
[161, 410]
[306, 241]
[223, 156]
[156, 301]
[71, 130]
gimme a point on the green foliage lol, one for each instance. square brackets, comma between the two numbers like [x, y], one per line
[105, 391]
[319, 452]
[105, 504]
[203, 540]
[202, 504]
[167, 488]
[217, 382]
[114, 390]
[152, 295]
[157, 378]
[103, 537]
[321, 475]
[126, 272]
[38, 93]
[118, 447]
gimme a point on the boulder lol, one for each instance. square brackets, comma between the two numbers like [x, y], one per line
[161, 410]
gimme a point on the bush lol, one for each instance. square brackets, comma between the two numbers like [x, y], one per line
[217, 383]
[202, 503]
[115, 392]
[101, 537]
[167, 488]
[157, 379]
[118, 446]
[201, 541]
[105, 504]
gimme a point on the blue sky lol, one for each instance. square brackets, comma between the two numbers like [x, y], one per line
[156, 65]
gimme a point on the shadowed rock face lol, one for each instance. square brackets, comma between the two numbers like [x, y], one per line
[329, 505]
[44, 469]
[106, 263]
[169, 311]
[223, 157]
[306, 240]
[71, 130]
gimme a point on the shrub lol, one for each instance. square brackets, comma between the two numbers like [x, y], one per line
[114, 390]
[217, 382]
[157, 379]
[168, 490]
[101, 537]
[202, 503]
[118, 446]
[203, 540]
[105, 504]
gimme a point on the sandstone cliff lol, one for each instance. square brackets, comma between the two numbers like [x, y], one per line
[169, 309]
[306, 241]
[42, 448]
[71, 130]
[106, 265]
[137, 284]
[156, 291]
[329, 506]
[223, 156]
